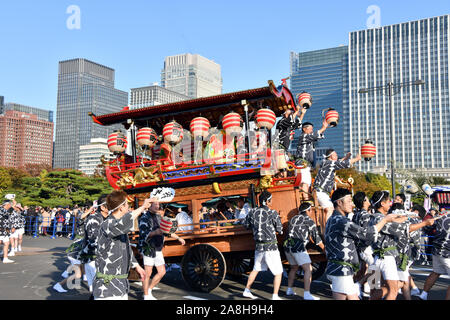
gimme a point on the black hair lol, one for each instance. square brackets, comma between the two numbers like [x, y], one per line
[358, 199]
[420, 209]
[329, 152]
[378, 197]
[338, 194]
[304, 206]
[396, 206]
[402, 196]
[263, 197]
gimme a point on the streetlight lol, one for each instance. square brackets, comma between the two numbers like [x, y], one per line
[390, 88]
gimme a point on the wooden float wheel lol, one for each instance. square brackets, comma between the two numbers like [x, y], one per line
[238, 267]
[203, 267]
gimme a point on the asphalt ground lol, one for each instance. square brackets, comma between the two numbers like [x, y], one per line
[39, 266]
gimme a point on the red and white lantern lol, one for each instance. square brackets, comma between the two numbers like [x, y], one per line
[304, 100]
[265, 118]
[146, 137]
[117, 142]
[232, 123]
[331, 117]
[199, 127]
[167, 225]
[368, 150]
[173, 133]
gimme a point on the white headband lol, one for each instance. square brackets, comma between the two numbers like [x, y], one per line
[111, 211]
[264, 202]
[307, 208]
[99, 205]
[382, 196]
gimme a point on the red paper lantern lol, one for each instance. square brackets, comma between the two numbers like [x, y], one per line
[232, 123]
[167, 225]
[117, 142]
[199, 127]
[368, 150]
[173, 133]
[305, 100]
[332, 117]
[265, 118]
[147, 137]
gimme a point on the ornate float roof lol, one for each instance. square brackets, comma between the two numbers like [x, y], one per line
[214, 108]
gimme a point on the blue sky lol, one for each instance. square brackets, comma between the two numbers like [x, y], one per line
[250, 39]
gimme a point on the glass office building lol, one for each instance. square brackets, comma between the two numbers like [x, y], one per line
[322, 73]
[83, 86]
[46, 115]
[192, 75]
[402, 52]
[153, 95]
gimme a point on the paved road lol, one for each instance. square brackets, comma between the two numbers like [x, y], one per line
[43, 260]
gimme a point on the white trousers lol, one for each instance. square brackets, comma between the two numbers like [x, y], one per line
[89, 268]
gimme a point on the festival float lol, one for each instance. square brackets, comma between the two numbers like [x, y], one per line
[221, 157]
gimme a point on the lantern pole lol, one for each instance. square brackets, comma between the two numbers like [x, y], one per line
[247, 125]
[389, 87]
[133, 139]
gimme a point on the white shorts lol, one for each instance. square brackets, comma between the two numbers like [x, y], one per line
[343, 284]
[441, 265]
[388, 267]
[74, 261]
[268, 259]
[15, 234]
[4, 238]
[124, 297]
[157, 261]
[89, 269]
[21, 231]
[298, 258]
[324, 200]
[404, 275]
[306, 175]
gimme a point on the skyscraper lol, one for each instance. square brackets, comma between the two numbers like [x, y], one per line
[83, 86]
[192, 75]
[322, 73]
[153, 95]
[402, 52]
[46, 115]
[25, 139]
[91, 154]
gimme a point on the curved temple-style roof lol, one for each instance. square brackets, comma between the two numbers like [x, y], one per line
[214, 108]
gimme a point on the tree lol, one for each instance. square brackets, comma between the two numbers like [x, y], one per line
[5, 179]
[59, 188]
[34, 169]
